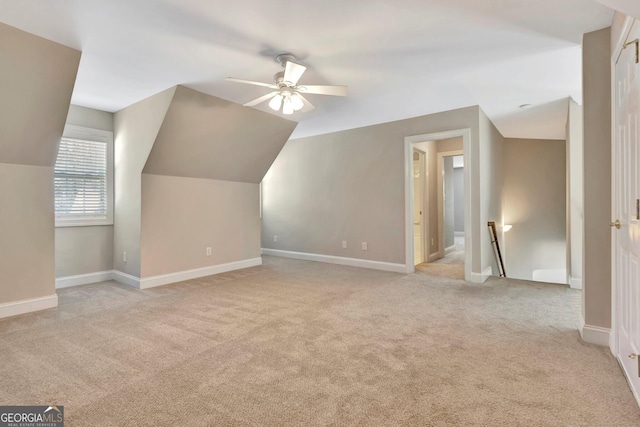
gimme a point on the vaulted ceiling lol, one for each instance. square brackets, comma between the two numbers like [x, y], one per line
[400, 59]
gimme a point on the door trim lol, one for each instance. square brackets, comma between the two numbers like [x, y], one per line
[469, 227]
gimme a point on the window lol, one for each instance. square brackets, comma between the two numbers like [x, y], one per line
[83, 178]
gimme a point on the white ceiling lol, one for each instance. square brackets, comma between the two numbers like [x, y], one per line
[400, 59]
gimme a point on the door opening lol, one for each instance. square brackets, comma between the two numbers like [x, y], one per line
[451, 196]
[430, 144]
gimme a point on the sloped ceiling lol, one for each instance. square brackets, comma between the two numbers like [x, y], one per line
[400, 59]
[36, 83]
[207, 137]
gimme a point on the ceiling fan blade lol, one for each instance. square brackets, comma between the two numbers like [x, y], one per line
[307, 105]
[259, 100]
[324, 90]
[250, 82]
[293, 72]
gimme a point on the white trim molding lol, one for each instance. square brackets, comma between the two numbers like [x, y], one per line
[434, 257]
[458, 233]
[575, 282]
[24, 306]
[353, 262]
[595, 334]
[481, 277]
[83, 279]
[450, 249]
[126, 279]
[180, 276]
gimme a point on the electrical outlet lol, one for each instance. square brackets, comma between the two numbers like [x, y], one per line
[364, 246]
[207, 251]
[124, 257]
[275, 237]
[344, 244]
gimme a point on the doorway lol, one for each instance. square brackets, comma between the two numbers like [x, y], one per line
[429, 240]
[451, 206]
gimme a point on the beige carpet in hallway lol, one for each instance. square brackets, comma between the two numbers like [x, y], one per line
[297, 343]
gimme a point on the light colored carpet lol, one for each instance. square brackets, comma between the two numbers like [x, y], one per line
[303, 343]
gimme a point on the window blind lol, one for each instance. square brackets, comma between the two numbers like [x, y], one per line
[80, 179]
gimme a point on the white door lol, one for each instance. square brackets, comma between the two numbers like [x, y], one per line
[626, 209]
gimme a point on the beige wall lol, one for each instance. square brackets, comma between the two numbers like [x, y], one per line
[169, 208]
[596, 87]
[37, 78]
[575, 196]
[534, 197]
[83, 250]
[36, 85]
[458, 195]
[448, 200]
[26, 226]
[348, 185]
[490, 172]
[135, 130]
[183, 216]
[89, 117]
[207, 137]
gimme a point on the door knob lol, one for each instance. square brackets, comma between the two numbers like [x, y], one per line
[632, 356]
[615, 224]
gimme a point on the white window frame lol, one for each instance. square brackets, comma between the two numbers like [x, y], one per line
[98, 135]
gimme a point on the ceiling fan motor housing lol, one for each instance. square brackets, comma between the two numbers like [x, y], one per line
[278, 78]
[283, 58]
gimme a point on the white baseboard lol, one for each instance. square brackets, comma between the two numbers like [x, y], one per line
[353, 262]
[126, 279]
[15, 308]
[434, 257]
[551, 275]
[83, 279]
[636, 393]
[450, 249]
[481, 277]
[180, 276]
[595, 334]
[458, 233]
[575, 282]
[165, 279]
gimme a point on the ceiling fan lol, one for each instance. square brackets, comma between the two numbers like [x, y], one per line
[288, 94]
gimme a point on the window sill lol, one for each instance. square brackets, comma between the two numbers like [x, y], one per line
[60, 223]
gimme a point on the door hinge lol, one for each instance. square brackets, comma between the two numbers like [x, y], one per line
[637, 43]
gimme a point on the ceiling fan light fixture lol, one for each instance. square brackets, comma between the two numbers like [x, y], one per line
[296, 102]
[287, 96]
[287, 106]
[276, 102]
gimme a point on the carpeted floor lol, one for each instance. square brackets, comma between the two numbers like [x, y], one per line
[297, 343]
